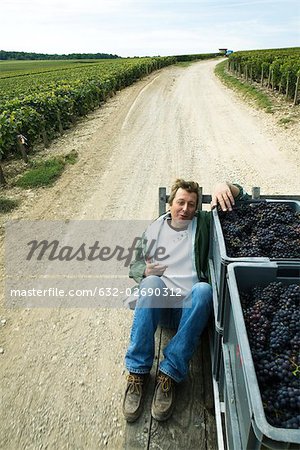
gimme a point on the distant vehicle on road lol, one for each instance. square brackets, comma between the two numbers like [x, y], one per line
[228, 52]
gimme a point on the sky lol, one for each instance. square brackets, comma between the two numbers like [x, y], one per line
[147, 27]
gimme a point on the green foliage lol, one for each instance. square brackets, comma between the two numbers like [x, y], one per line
[200, 56]
[42, 173]
[261, 99]
[184, 63]
[45, 56]
[287, 120]
[72, 157]
[7, 204]
[278, 68]
[42, 102]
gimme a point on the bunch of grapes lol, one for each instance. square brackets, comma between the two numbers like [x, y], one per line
[262, 229]
[272, 318]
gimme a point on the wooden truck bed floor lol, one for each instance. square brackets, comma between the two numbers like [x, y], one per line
[192, 425]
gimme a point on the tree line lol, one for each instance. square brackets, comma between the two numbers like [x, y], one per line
[4, 56]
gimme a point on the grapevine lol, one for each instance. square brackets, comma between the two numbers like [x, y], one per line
[40, 98]
[39, 104]
[277, 69]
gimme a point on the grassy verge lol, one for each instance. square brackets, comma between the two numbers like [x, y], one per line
[287, 120]
[185, 63]
[44, 173]
[247, 90]
[7, 204]
[71, 157]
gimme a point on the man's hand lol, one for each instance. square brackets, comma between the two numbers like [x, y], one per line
[154, 269]
[224, 194]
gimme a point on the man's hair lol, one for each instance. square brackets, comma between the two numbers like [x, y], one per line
[189, 186]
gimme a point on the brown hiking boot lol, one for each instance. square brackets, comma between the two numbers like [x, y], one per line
[134, 396]
[164, 398]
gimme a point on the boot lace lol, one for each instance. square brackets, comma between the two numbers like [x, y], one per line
[165, 382]
[135, 383]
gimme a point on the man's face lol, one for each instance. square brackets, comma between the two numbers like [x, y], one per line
[183, 207]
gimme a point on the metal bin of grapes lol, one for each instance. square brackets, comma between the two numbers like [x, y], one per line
[227, 393]
[217, 330]
[256, 231]
[261, 351]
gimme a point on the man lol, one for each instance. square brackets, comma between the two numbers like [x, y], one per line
[172, 274]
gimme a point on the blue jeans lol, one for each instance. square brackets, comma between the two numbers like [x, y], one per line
[189, 321]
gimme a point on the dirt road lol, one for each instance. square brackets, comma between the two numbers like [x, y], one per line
[62, 375]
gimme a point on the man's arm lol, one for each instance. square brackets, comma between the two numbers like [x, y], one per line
[225, 194]
[141, 268]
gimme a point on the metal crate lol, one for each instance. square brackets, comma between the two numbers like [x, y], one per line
[254, 430]
[227, 392]
[220, 260]
[217, 336]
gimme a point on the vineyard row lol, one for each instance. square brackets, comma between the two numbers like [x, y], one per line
[39, 106]
[42, 114]
[276, 69]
